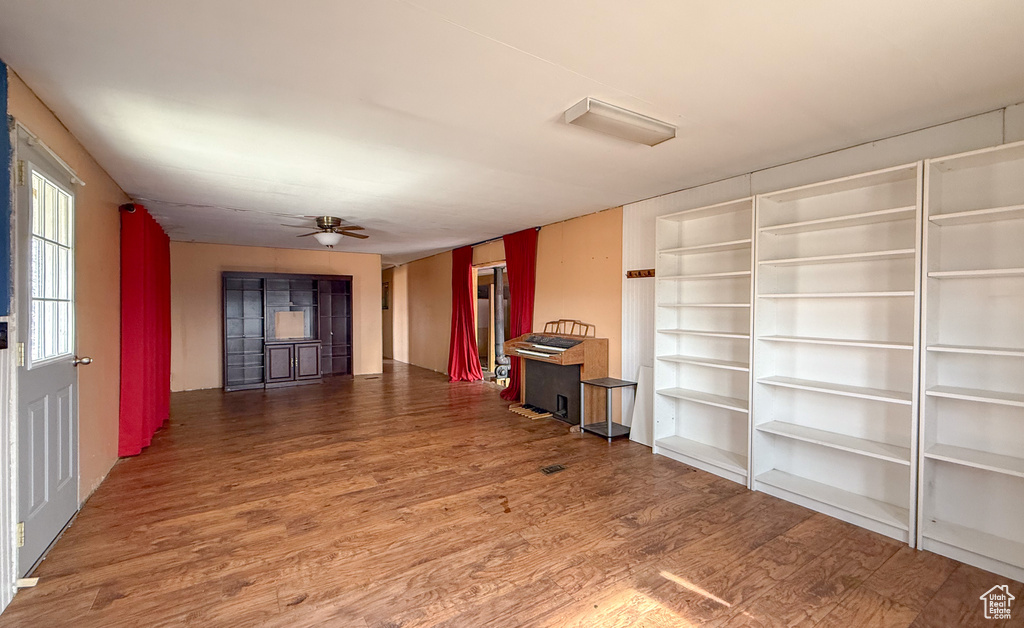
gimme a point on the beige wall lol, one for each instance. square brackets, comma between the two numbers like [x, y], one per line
[196, 309]
[97, 287]
[489, 252]
[388, 316]
[429, 311]
[400, 313]
[579, 276]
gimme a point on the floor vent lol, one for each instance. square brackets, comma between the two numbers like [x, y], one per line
[555, 468]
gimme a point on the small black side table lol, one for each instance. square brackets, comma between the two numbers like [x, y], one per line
[607, 429]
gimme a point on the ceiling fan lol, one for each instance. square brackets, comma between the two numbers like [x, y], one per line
[330, 229]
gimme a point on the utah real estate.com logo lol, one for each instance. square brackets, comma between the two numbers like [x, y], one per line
[997, 601]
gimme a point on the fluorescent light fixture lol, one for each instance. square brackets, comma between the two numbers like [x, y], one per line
[327, 238]
[623, 123]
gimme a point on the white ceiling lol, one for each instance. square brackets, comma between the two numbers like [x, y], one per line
[436, 123]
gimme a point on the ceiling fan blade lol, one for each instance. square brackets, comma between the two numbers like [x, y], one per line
[349, 228]
[304, 235]
[361, 236]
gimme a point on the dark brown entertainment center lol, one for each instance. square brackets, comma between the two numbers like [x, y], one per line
[285, 329]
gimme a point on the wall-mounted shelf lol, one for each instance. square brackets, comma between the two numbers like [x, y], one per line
[841, 342]
[708, 334]
[725, 275]
[696, 396]
[731, 365]
[703, 305]
[977, 394]
[980, 273]
[852, 444]
[716, 247]
[838, 295]
[976, 216]
[842, 258]
[846, 501]
[842, 222]
[859, 392]
[702, 370]
[1005, 352]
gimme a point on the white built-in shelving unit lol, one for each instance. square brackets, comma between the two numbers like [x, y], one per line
[835, 351]
[857, 346]
[972, 383]
[702, 346]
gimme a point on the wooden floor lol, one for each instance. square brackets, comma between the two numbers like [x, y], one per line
[401, 500]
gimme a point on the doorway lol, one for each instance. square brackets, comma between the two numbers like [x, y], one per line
[492, 321]
[47, 383]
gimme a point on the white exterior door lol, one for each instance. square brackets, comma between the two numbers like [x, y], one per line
[47, 382]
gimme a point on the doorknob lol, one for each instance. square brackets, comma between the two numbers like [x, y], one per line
[81, 361]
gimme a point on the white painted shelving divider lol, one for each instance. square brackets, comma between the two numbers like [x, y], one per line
[972, 420]
[703, 330]
[835, 351]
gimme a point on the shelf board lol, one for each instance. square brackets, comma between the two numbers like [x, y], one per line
[974, 394]
[852, 444]
[726, 275]
[703, 305]
[976, 541]
[840, 222]
[838, 295]
[966, 274]
[714, 247]
[708, 334]
[718, 209]
[999, 351]
[840, 342]
[998, 463]
[859, 392]
[973, 216]
[730, 461]
[696, 396]
[874, 509]
[869, 256]
[708, 362]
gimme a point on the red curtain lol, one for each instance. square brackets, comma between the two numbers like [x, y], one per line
[145, 329]
[521, 263]
[463, 355]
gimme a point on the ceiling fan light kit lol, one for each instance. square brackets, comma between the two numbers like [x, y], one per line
[327, 238]
[602, 117]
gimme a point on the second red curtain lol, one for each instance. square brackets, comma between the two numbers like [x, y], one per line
[521, 263]
[145, 329]
[463, 355]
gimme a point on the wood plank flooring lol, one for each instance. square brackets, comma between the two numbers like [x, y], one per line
[402, 500]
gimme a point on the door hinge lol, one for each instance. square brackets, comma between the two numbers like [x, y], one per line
[20, 176]
[21, 354]
[19, 534]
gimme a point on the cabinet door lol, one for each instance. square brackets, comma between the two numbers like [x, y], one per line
[307, 362]
[280, 362]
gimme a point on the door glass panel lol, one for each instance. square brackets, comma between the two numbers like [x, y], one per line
[51, 332]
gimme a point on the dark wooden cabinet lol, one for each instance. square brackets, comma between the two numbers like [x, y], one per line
[280, 360]
[307, 360]
[290, 362]
[283, 330]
